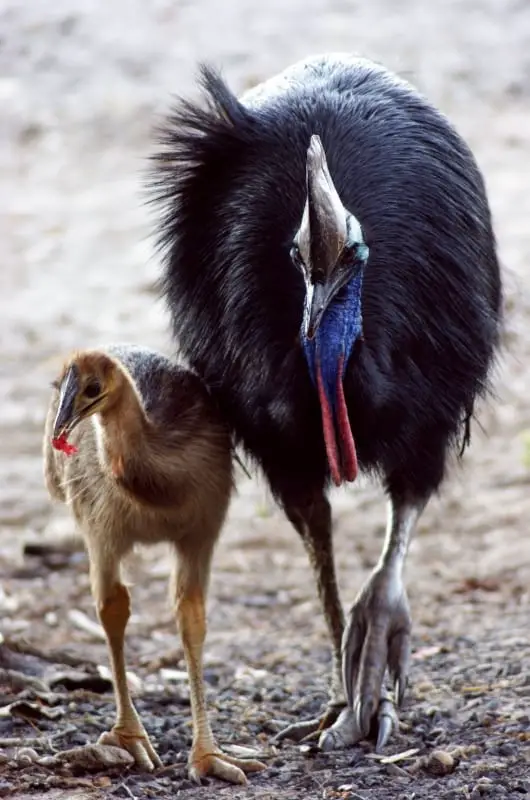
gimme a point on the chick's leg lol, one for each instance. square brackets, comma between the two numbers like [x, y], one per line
[113, 604]
[377, 637]
[312, 520]
[206, 758]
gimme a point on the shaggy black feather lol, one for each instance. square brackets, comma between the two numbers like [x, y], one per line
[229, 185]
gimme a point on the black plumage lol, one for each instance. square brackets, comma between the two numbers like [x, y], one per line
[230, 187]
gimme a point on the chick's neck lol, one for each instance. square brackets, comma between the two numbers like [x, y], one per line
[123, 425]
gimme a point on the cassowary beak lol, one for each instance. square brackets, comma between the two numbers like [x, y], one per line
[66, 417]
[317, 299]
[322, 235]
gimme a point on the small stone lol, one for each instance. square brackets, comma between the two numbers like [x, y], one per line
[483, 785]
[273, 772]
[26, 756]
[465, 751]
[48, 761]
[96, 757]
[512, 668]
[309, 749]
[493, 705]
[508, 749]
[440, 762]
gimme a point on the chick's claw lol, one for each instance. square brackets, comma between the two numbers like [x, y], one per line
[136, 742]
[220, 765]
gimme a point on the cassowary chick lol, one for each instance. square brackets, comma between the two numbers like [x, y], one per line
[149, 461]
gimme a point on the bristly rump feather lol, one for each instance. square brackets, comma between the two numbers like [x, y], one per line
[229, 182]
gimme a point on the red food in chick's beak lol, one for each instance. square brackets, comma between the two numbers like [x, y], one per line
[61, 443]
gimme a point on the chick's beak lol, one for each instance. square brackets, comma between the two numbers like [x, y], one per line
[66, 417]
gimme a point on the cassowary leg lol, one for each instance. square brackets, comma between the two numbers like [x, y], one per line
[377, 637]
[312, 520]
[206, 758]
[113, 603]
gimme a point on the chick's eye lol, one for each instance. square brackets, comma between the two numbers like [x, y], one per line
[92, 389]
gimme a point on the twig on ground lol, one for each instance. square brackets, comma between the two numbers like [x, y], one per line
[127, 791]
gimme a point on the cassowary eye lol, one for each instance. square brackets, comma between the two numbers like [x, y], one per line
[92, 389]
[349, 258]
[296, 257]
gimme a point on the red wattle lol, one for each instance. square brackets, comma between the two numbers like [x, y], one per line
[329, 430]
[347, 444]
[61, 443]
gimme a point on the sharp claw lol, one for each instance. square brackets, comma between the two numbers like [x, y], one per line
[330, 740]
[398, 662]
[383, 735]
[344, 732]
[364, 715]
[387, 721]
[310, 729]
[400, 686]
[296, 732]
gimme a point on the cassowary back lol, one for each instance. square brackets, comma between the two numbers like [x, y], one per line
[230, 183]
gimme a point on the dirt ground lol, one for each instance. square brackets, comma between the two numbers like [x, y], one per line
[80, 84]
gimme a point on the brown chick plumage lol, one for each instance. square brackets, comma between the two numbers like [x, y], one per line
[153, 464]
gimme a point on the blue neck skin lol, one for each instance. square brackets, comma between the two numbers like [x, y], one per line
[339, 329]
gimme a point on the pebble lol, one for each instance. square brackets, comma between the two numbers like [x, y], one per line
[493, 705]
[440, 762]
[78, 739]
[5, 788]
[26, 756]
[48, 761]
[512, 668]
[273, 772]
[485, 786]
[508, 749]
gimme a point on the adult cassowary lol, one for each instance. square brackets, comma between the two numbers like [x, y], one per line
[331, 272]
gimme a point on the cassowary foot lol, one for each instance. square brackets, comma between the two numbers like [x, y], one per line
[136, 741]
[311, 728]
[376, 638]
[212, 761]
